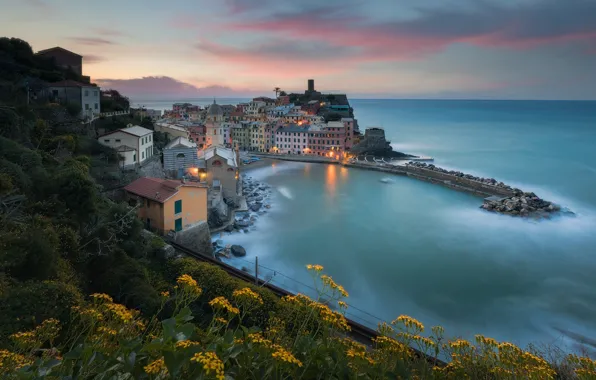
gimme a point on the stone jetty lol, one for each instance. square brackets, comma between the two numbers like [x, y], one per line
[258, 196]
[517, 203]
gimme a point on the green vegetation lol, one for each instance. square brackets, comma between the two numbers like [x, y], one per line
[84, 295]
[214, 327]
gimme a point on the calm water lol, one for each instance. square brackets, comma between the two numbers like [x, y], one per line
[415, 248]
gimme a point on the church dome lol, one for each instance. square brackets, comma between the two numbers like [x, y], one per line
[215, 110]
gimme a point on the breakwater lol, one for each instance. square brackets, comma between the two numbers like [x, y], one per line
[499, 197]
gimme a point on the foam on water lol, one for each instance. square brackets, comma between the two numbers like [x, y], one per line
[285, 192]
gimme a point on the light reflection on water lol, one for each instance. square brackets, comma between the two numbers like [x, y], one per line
[419, 249]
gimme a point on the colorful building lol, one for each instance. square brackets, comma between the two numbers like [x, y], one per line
[291, 139]
[168, 205]
[222, 170]
[134, 144]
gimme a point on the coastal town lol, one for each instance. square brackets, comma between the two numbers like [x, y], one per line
[190, 186]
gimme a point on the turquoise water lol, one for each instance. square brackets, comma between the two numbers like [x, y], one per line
[418, 249]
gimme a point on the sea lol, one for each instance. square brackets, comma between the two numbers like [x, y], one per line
[414, 248]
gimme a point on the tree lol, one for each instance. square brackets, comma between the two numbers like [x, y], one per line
[283, 93]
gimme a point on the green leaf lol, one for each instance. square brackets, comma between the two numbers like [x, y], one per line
[130, 362]
[184, 315]
[229, 337]
[236, 350]
[185, 331]
[75, 353]
[173, 362]
[47, 367]
[169, 328]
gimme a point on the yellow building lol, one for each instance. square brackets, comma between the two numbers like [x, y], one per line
[168, 205]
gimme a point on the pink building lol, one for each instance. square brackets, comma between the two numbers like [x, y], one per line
[311, 107]
[198, 135]
[241, 107]
[283, 100]
[327, 140]
[291, 139]
[348, 123]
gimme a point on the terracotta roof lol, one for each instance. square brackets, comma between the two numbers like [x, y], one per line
[237, 113]
[157, 189]
[57, 48]
[70, 83]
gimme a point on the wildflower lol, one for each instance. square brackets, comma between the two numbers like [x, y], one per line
[460, 343]
[24, 338]
[186, 344]
[485, 341]
[316, 268]
[120, 311]
[248, 295]
[221, 320]
[328, 281]
[257, 338]
[10, 361]
[211, 363]
[101, 297]
[342, 305]
[188, 285]
[107, 330]
[221, 303]
[165, 294]
[409, 322]
[156, 367]
[283, 355]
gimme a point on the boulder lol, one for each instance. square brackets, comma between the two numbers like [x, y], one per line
[238, 250]
[229, 228]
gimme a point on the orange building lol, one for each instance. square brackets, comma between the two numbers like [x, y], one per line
[168, 205]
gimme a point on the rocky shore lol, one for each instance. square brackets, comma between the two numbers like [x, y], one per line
[520, 203]
[258, 200]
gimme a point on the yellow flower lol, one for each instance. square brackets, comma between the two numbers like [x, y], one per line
[285, 356]
[409, 322]
[10, 361]
[342, 304]
[102, 297]
[211, 363]
[156, 367]
[107, 331]
[186, 344]
[165, 294]
[120, 311]
[221, 303]
[246, 294]
[328, 281]
[189, 284]
[221, 320]
[316, 268]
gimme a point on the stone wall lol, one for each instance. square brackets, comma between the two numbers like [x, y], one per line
[196, 237]
[464, 182]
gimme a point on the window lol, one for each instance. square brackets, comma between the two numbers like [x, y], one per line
[96, 93]
[178, 224]
[86, 92]
[117, 140]
[142, 155]
[86, 106]
[216, 163]
[178, 206]
[107, 140]
[96, 106]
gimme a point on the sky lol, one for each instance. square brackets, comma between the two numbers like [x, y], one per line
[493, 49]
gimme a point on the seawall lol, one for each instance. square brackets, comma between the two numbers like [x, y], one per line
[448, 180]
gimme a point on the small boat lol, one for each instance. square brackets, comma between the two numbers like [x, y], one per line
[387, 180]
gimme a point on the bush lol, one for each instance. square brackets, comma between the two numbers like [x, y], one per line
[108, 340]
[23, 307]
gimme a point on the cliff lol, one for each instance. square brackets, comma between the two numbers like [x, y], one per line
[374, 143]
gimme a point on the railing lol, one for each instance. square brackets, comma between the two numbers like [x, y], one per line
[114, 113]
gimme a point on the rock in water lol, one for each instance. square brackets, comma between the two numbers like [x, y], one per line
[238, 250]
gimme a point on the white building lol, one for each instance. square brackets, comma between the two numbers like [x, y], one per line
[255, 108]
[291, 140]
[134, 144]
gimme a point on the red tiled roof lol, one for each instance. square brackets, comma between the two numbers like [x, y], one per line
[70, 83]
[237, 113]
[157, 189]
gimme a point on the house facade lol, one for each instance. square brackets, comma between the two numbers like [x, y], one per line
[168, 205]
[172, 130]
[83, 95]
[179, 156]
[240, 137]
[136, 142]
[292, 139]
[222, 170]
